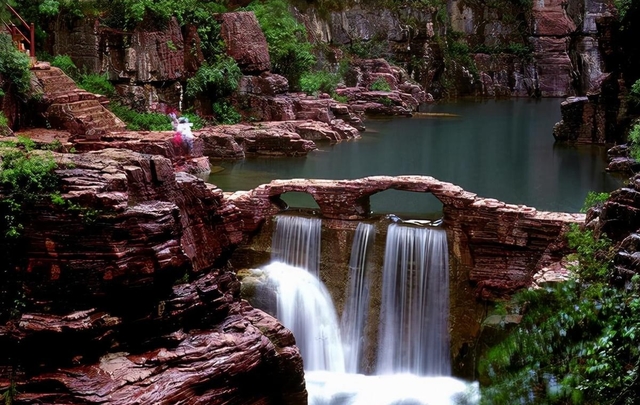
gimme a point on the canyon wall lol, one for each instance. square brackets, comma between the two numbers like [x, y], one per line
[122, 295]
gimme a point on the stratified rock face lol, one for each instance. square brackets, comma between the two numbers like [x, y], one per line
[234, 362]
[245, 41]
[106, 315]
[619, 219]
[582, 121]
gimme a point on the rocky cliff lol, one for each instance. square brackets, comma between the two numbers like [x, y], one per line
[128, 300]
[543, 48]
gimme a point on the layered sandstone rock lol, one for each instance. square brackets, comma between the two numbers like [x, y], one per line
[126, 299]
[245, 41]
[65, 106]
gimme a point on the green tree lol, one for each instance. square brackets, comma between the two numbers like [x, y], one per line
[289, 50]
[14, 65]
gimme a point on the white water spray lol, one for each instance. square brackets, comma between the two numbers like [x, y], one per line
[356, 307]
[414, 317]
[305, 307]
[296, 241]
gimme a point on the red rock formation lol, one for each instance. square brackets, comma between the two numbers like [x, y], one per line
[70, 108]
[500, 246]
[245, 41]
[106, 315]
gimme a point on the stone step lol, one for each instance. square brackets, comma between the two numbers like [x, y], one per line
[70, 97]
[81, 107]
[48, 73]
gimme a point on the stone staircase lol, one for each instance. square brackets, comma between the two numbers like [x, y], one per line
[70, 108]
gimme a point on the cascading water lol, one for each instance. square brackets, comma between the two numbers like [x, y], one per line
[305, 307]
[356, 307]
[414, 335]
[296, 241]
[414, 315]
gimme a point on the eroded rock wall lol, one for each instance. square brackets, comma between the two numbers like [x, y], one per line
[127, 298]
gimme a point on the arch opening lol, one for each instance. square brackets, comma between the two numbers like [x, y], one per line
[406, 204]
[299, 200]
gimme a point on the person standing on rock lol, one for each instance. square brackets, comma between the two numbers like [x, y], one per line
[182, 126]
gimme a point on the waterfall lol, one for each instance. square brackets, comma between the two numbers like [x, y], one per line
[306, 308]
[414, 335]
[413, 348]
[356, 306]
[296, 241]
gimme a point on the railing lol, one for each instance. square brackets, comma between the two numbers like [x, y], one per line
[19, 38]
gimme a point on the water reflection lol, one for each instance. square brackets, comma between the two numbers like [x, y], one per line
[501, 149]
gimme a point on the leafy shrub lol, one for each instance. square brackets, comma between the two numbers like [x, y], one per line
[14, 65]
[26, 176]
[216, 80]
[634, 142]
[290, 51]
[4, 122]
[225, 113]
[97, 84]
[339, 98]
[634, 93]
[137, 121]
[578, 341]
[65, 63]
[321, 81]
[380, 84]
[197, 121]
[594, 199]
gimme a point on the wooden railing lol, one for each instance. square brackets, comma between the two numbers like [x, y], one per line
[19, 38]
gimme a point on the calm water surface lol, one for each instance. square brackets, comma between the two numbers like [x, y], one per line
[500, 149]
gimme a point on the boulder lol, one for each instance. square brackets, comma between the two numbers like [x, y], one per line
[245, 41]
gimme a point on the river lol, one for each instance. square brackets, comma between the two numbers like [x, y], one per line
[502, 149]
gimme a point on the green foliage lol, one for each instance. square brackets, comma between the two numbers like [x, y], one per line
[578, 341]
[14, 65]
[4, 122]
[216, 80]
[97, 84]
[65, 63]
[622, 6]
[380, 84]
[225, 113]
[26, 176]
[197, 121]
[339, 98]
[290, 51]
[137, 121]
[634, 93]
[10, 394]
[91, 82]
[634, 142]
[386, 101]
[321, 81]
[594, 199]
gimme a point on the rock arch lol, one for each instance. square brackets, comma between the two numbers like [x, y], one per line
[499, 246]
